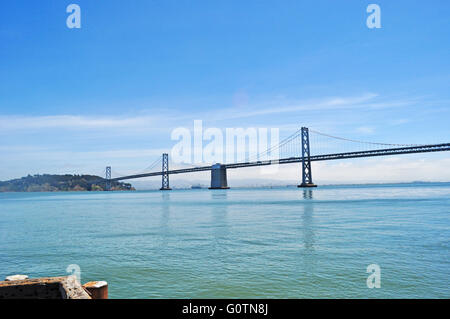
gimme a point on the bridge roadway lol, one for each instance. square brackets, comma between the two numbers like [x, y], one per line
[325, 157]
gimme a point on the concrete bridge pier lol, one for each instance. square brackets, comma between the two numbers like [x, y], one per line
[219, 177]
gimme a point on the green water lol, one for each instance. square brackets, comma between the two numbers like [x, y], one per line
[237, 243]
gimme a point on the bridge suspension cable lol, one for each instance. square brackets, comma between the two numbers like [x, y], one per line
[363, 142]
[151, 166]
[115, 173]
[291, 146]
[271, 149]
[145, 170]
[322, 143]
[296, 148]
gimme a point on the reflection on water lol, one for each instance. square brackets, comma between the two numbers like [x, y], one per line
[307, 194]
[165, 196]
[308, 225]
[220, 230]
[164, 229]
[219, 215]
[308, 262]
[218, 195]
[307, 220]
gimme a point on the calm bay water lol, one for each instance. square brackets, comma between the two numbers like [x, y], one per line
[237, 243]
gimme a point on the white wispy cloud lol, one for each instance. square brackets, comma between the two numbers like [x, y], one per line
[275, 107]
[366, 101]
[54, 143]
[56, 155]
[73, 121]
[139, 122]
[365, 129]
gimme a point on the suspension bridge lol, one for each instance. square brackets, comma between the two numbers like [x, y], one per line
[299, 147]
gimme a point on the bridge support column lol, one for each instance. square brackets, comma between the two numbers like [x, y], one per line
[306, 160]
[165, 175]
[108, 178]
[219, 177]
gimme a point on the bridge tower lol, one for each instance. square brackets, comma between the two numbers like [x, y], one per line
[219, 177]
[306, 160]
[108, 178]
[165, 173]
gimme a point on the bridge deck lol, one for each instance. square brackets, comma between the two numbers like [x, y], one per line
[325, 157]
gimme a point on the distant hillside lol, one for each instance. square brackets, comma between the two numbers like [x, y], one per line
[60, 183]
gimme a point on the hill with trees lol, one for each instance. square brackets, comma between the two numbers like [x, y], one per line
[61, 183]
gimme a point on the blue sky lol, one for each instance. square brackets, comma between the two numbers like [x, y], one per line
[110, 93]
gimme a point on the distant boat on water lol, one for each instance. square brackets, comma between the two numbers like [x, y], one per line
[196, 187]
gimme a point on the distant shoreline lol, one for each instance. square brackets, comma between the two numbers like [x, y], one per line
[62, 183]
[295, 186]
[72, 185]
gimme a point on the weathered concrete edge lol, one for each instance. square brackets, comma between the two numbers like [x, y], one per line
[68, 286]
[71, 289]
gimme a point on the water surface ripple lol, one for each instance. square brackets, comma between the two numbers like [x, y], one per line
[238, 243]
